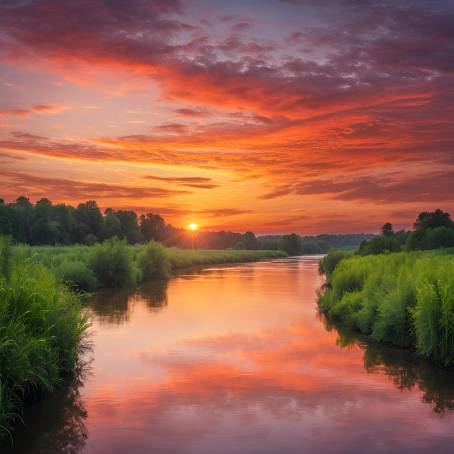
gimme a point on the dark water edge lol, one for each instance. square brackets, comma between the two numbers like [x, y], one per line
[404, 367]
[66, 420]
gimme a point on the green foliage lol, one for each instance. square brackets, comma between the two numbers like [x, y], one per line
[154, 262]
[433, 230]
[380, 244]
[433, 219]
[153, 227]
[91, 267]
[248, 241]
[330, 261]
[291, 244]
[5, 254]
[77, 274]
[47, 224]
[113, 265]
[405, 299]
[42, 329]
[180, 258]
[313, 244]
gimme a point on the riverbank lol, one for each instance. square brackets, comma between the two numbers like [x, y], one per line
[404, 299]
[42, 333]
[42, 322]
[117, 264]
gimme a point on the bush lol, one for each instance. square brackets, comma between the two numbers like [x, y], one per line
[113, 265]
[379, 245]
[77, 274]
[42, 331]
[330, 261]
[154, 262]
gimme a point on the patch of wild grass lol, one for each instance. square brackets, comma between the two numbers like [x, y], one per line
[405, 299]
[183, 258]
[42, 331]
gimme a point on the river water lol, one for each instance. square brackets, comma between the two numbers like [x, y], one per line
[235, 359]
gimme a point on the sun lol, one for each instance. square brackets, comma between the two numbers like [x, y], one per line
[193, 226]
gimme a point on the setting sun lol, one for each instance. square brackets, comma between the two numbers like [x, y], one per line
[193, 226]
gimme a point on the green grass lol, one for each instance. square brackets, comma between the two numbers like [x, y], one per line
[116, 264]
[42, 332]
[405, 299]
[184, 258]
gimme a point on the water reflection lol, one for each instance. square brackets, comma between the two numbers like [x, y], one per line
[236, 360]
[111, 306]
[154, 294]
[114, 306]
[54, 425]
[407, 371]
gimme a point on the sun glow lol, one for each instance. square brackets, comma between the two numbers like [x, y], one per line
[193, 226]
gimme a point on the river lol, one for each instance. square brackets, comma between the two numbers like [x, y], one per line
[236, 359]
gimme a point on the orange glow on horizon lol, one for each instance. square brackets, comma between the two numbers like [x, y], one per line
[316, 141]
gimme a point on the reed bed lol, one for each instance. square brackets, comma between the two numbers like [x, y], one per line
[404, 299]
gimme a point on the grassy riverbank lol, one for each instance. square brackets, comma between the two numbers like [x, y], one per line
[42, 332]
[116, 264]
[405, 299]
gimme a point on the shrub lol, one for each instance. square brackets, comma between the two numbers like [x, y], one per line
[154, 262]
[330, 261]
[112, 264]
[77, 274]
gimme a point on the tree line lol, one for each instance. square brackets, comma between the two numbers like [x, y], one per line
[47, 223]
[294, 244]
[431, 230]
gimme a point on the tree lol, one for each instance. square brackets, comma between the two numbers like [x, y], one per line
[88, 213]
[23, 218]
[438, 237]
[112, 224]
[129, 226]
[40, 231]
[249, 241]
[433, 219]
[379, 245]
[152, 227]
[387, 229]
[292, 244]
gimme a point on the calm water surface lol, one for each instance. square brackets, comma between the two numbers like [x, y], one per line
[236, 360]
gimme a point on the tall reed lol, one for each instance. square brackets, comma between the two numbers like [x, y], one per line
[404, 299]
[42, 333]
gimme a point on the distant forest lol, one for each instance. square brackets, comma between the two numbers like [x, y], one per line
[45, 223]
[431, 230]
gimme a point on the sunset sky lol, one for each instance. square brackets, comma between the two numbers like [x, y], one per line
[271, 115]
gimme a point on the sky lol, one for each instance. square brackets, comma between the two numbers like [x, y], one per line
[310, 116]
